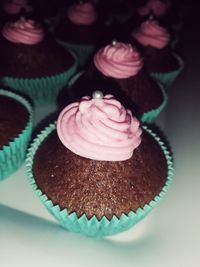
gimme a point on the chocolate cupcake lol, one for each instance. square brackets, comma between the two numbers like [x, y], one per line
[16, 129]
[101, 173]
[159, 60]
[167, 12]
[32, 62]
[118, 69]
[80, 30]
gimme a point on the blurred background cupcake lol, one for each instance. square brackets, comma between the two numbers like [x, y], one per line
[80, 30]
[32, 61]
[16, 128]
[159, 59]
[102, 173]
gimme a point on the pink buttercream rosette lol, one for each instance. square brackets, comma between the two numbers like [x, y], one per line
[150, 33]
[99, 129]
[82, 14]
[23, 32]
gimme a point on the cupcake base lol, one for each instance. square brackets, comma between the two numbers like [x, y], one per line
[93, 226]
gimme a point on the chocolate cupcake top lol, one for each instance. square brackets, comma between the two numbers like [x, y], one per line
[13, 119]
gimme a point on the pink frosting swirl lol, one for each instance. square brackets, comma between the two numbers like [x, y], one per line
[83, 14]
[23, 32]
[99, 129]
[15, 6]
[157, 7]
[118, 60]
[152, 34]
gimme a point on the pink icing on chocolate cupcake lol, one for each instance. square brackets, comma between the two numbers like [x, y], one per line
[23, 32]
[118, 60]
[99, 128]
[157, 7]
[83, 14]
[13, 7]
[152, 34]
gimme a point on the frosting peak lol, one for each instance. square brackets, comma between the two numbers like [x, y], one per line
[83, 14]
[23, 31]
[118, 60]
[152, 34]
[15, 6]
[99, 129]
[157, 7]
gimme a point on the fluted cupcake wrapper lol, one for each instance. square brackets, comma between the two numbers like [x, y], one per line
[82, 51]
[13, 154]
[151, 115]
[93, 227]
[168, 78]
[43, 90]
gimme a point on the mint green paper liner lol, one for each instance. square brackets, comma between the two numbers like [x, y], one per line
[153, 114]
[42, 90]
[13, 154]
[168, 78]
[82, 51]
[94, 227]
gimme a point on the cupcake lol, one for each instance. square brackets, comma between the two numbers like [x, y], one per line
[13, 7]
[159, 60]
[165, 11]
[102, 172]
[32, 62]
[16, 129]
[118, 69]
[80, 30]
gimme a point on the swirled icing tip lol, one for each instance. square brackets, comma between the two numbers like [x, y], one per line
[82, 13]
[150, 33]
[23, 31]
[118, 60]
[99, 129]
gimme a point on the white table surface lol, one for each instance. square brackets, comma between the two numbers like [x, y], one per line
[168, 237]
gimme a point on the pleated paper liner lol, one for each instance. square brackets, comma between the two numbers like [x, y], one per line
[168, 78]
[43, 90]
[93, 227]
[13, 155]
[151, 115]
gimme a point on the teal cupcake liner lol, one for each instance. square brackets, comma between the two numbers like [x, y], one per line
[42, 90]
[151, 115]
[13, 155]
[82, 51]
[168, 78]
[93, 227]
